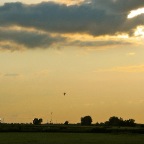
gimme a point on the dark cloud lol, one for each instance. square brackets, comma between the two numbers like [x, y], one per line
[96, 17]
[11, 75]
[121, 6]
[99, 43]
[100, 17]
[29, 39]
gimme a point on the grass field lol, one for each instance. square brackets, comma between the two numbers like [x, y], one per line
[70, 138]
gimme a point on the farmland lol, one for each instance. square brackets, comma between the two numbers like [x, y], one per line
[69, 134]
[69, 138]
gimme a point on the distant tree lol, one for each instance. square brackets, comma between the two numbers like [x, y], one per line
[37, 121]
[106, 123]
[66, 122]
[87, 120]
[130, 122]
[40, 120]
[115, 121]
[101, 124]
[97, 124]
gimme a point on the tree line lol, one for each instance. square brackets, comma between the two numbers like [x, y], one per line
[87, 121]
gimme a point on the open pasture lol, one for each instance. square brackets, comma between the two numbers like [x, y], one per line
[69, 138]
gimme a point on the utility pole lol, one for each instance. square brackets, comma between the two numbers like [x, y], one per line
[51, 117]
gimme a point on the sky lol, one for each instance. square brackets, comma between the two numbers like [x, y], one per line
[93, 50]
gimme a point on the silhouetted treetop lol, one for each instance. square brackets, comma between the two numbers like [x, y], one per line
[115, 121]
[37, 121]
[87, 120]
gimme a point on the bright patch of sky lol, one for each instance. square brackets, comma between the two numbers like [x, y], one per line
[69, 2]
[135, 13]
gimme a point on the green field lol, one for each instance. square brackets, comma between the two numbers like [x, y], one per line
[70, 138]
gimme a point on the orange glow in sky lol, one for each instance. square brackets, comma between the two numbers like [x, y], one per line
[94, 53]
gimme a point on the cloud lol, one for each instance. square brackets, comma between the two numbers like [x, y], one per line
[119, 6]
[29, 39]
[137, 12]
[18, 38]
[50, 21]
[99, 43]
[134, 68]
[9, 74]
[12, 75]
[99, 17]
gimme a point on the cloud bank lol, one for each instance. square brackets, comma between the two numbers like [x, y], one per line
[29, 39]
[93, 17]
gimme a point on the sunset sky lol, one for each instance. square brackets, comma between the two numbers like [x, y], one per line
[91, 49]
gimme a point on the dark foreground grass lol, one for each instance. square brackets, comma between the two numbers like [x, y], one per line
[70, 138]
